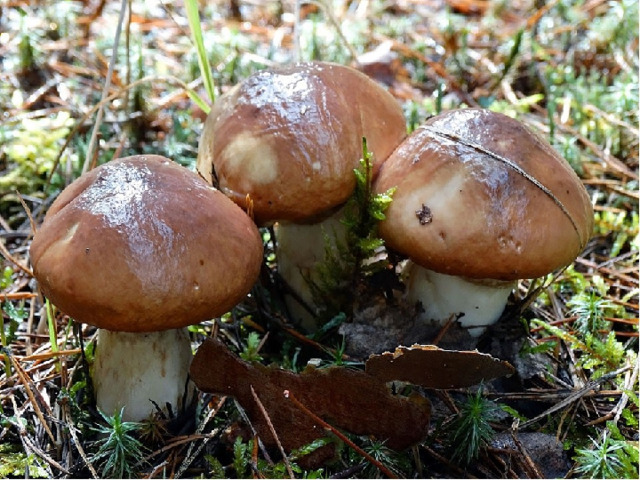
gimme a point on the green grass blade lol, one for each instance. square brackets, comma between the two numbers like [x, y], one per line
[203, 61]
[198, 100]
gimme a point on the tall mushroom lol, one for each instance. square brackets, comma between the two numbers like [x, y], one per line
[141, 248]
[481, 201]
[289, 139]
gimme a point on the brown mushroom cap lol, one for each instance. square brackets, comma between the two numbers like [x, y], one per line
[462, 207]
[142, 244]
[291, 137]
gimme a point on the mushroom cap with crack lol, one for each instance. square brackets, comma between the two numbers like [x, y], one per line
[291, 137]
[480, 195]
[143, 244]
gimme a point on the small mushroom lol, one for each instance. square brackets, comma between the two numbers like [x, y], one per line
[141, 248]
[289, 140]
[481, 201]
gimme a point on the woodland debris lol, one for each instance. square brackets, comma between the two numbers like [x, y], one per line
[348, 399]
[433, 367]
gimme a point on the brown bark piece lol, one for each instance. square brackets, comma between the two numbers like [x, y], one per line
[433, 367]
[348, 399]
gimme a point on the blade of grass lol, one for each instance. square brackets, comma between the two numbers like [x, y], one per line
[4, 345]
[53, 332]
[203, 61]
[510, 61]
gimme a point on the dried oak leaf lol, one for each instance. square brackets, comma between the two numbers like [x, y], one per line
[433, 367]
[347, 399]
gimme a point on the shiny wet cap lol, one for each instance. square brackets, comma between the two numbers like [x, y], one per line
[480, 195]
[142, 244]
[290, 138]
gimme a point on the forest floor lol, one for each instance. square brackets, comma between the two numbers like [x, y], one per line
[566, 69]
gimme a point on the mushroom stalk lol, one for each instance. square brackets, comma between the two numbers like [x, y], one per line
[300, 249]
[138, 371]
[480, 301]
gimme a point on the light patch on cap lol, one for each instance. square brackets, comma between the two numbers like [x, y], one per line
[70, 233]
[250, 160]
[117, 193]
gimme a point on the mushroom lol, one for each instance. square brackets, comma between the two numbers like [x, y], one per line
[289, 139]
[141, 247]
[481, 201]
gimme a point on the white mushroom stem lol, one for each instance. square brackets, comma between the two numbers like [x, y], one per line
[300, 248]
[481, 301]
[134, 370]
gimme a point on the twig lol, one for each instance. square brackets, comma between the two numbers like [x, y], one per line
[577, 395]
[107, 86]
[24, 379]
[339, 434]
[608, 271]
[254, 457]
[273, 431]
[609, 160]
[45, 356]
[630, 380]
[5, 253]
[350, 472]
[296, 30]
[328, 10]
[308, 341]
[177, 443]
[17, 296]
[191, 455]
[26, 441]
[446, 461]
[450, 321]
[247, 420]
[78, 445]
[530, 464]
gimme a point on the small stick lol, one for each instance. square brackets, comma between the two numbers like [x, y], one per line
[452, 318]
[296, 31]
[191, 455]
[78, 445]
[107, 86]
[630, 380]
[28, 443]
[350, 472]
[24, 379]
[180, 441]
[446, 461]
[5, 253]
[17, 295]
[254, 457]
[340, 435]
[308, 341]
[577, 395]
[273, 431]
[530, 464]
[446, 398]
[45, 356]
